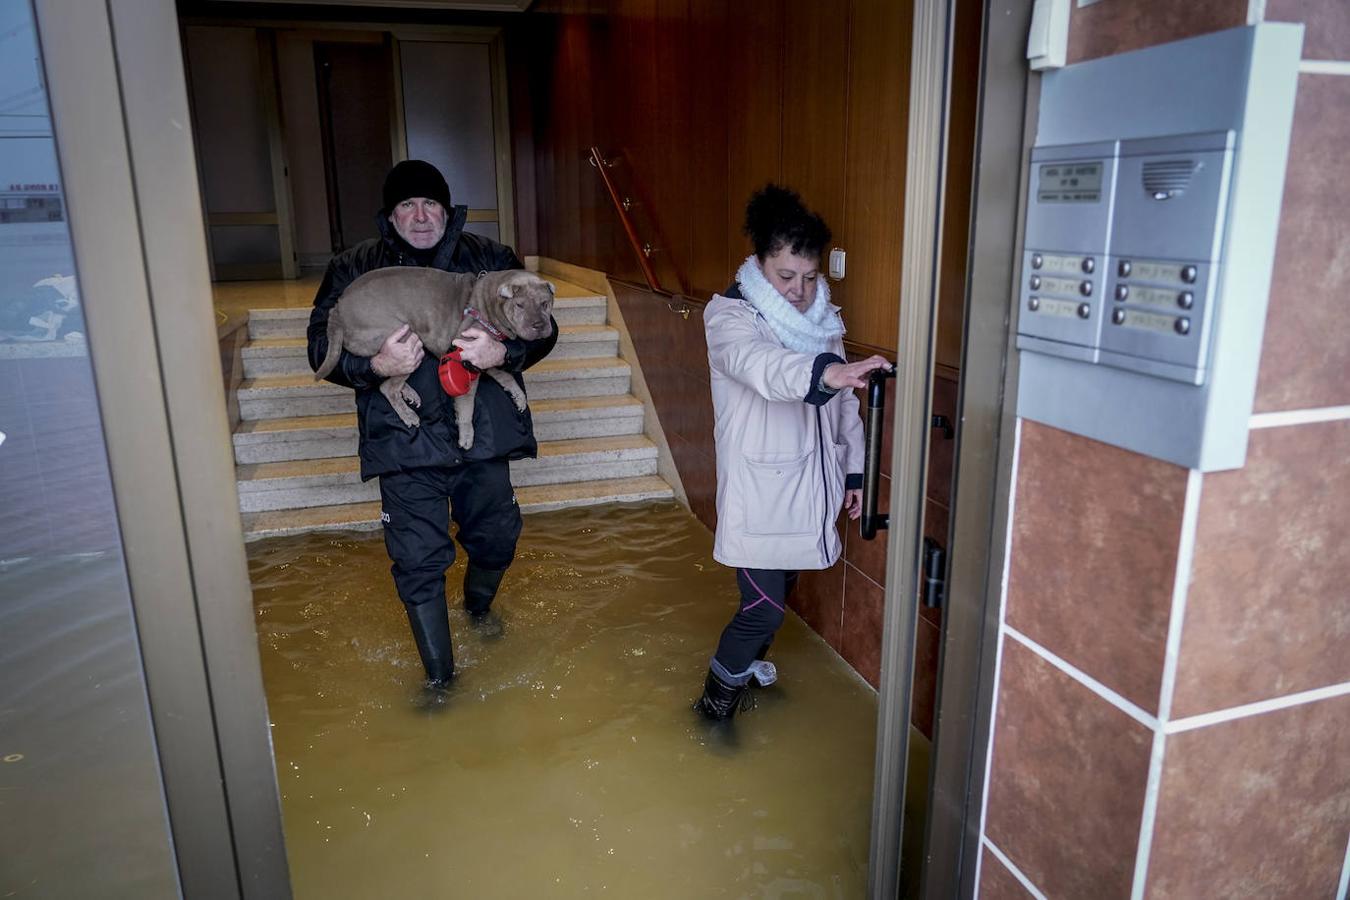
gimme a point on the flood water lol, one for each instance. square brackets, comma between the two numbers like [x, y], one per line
[565, 760]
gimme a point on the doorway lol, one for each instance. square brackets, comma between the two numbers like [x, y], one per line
[196, 513]
[356, 103]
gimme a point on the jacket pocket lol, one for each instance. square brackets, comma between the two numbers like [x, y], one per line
[782, 494]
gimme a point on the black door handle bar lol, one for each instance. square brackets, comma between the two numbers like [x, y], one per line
[872, 521]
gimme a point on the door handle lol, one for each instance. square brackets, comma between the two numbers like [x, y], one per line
[872, 521]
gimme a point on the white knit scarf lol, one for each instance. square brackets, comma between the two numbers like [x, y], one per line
[808, 332]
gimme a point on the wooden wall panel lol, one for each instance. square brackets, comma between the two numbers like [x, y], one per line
[708, 150]
[702, 101]
[878, 111]
[524, 165]
[815, 104]
[754, 88]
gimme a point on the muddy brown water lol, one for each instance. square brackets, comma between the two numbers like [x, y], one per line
[565, 761]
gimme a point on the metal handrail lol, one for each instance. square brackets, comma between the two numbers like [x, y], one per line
[872, 521]
[641, 250]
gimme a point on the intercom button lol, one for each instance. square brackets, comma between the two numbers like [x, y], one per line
[1085, 289]
[1084, 310]
[1124, 268]
[1122, 292]
[1118, 317]
[1188, 274]
[1089, 265]
[1037, 260]
[1035, 282]
[1034, 304]
[1183, 325]
[1185, 299]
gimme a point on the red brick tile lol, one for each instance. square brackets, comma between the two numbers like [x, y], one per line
[1305, 359]
[1328, 25]
[1095, 537]
[819, 600]
[864, 610]
[1256, 807]
[1105, 29]
[997, 883]
[1266, 614]
[1066, 787]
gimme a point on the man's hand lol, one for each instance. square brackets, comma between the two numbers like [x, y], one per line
[481, 349]
[853, 502]
[401, 354]
[841, 375]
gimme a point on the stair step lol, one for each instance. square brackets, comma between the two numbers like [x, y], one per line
[320, 437]
[291, 322]
[366, 516]
[288, 355]
[326, 482]
[282, 396]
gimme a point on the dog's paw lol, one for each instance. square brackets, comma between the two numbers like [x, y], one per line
[411, 397]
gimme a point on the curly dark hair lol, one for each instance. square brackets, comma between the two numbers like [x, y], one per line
[775, 218]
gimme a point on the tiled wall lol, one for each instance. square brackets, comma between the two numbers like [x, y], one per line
[1173, 699]
[843, 604]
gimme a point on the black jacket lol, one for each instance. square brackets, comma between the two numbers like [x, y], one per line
[386, 444]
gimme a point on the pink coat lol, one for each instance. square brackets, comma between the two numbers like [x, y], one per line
[781, 461]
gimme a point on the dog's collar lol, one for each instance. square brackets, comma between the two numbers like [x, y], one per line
[471, 313]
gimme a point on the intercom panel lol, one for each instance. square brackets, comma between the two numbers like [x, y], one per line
[1153, 205]
[1065, 260]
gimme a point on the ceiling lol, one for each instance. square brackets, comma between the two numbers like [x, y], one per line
[458, 5]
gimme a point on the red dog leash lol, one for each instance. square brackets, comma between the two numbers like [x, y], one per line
[456, 375]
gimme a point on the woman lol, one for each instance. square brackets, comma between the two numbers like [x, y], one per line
[789, 437]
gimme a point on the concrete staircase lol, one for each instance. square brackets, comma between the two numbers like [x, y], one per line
[295, 448]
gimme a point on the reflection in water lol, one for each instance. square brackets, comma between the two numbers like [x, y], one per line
[565, 761]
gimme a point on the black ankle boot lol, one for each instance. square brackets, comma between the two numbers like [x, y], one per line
[480, 587]
[721, 700]
[431, 630]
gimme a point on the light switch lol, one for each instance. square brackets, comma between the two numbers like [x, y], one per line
[1048, 40]
[837, 264]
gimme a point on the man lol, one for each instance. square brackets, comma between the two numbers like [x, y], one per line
[420, 469]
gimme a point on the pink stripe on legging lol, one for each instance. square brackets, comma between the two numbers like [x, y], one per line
[762, 596]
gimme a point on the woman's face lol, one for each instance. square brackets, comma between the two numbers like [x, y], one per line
[794, 276]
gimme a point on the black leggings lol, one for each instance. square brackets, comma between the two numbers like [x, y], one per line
[417, 523]
[750, 632]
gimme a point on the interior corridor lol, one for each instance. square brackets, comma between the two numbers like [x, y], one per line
[566, 760]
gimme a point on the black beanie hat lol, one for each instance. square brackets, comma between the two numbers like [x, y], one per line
[414, 178]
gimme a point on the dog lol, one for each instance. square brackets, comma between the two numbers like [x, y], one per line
[438, 307]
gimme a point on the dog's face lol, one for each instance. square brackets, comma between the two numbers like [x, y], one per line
[527, 302]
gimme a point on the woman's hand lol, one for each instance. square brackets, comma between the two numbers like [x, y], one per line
[401, 354]
[853, 502]
[841, 375]
[480, 348]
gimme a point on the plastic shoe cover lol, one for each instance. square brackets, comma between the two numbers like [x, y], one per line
[763, 673]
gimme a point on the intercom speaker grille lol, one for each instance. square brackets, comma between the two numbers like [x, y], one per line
[1167, 178]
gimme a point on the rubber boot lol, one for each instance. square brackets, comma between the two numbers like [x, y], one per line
[480, 587]
[720, 700]
[431, 630]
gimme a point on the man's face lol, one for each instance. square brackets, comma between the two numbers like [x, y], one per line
[419, 221]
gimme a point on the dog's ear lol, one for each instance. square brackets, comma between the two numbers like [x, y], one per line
[552, 288]
[505, 291]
